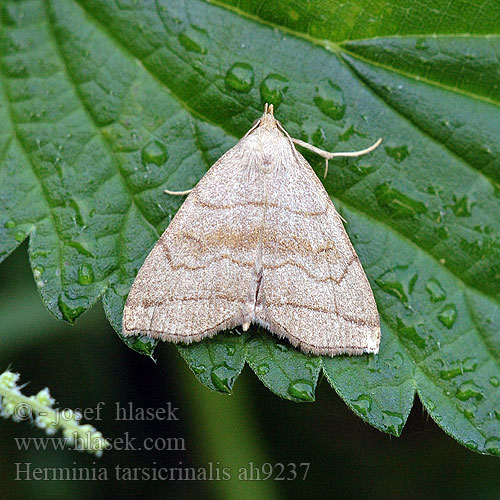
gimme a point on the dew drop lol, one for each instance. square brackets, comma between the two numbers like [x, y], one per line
[263, 369]
[492, 445]
[495, 381]
[69, 312]
[330, 99]
[281, 347]
[361, 168]
[38, 270]
[85, 244]
[240, 77]
[399, 153]
[85, 274]
[469, 390]
[393, 422]
[363, 404]
[372, 364]
[431, 406]
[462, 207]
[410, 332]
[77, 217]
[318, 136]
[348, 132]
[311, 366]
[469, 414]
[397, 203]
[154, 152]
[198, 369]
[398, 281]
[20, 235]
[466, 366]
[194, 39]
[472, 445]
[435, 190]
[301, 389]
[10, 224]
[223, 377]
[436, 292]
[448, 315]
[397, 361]
[273, 88]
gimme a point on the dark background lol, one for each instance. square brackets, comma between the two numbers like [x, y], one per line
[88, 363]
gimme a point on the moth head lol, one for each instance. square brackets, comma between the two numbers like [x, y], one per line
[267, 120]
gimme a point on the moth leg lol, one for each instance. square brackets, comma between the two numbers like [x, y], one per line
[177, 193]
[328, 156]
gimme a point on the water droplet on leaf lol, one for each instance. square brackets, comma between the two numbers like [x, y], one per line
[472, 445]
[281, 347]
[263, 369]
[20, 236]
[85, 274]
[398, 281]
[38, 270]
[223, 377]
[492, 445]
[399, 153]
[393, 422]
[154, 152]
[436, 292]
[448, 315]
[466, 366]
[273, 88]
[311, 366]
[240, 77]
[398, 203]
[363, 404]
[194, 39]
[197, 369]
[469, 390]
[301, 389]
[410, 332]
[330, 99]
[69, 311]
[462, 207]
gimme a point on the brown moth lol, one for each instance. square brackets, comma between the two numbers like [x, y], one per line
[258, 240]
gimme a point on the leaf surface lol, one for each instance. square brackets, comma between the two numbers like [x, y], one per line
[103, 105]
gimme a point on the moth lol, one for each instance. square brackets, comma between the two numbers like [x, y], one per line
[258, 240]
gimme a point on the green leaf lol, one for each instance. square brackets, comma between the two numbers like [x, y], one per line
[217, 362]
[286, 371]
[103, 105]
[378, 388]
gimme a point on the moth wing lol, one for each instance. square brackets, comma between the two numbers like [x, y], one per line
[313, 289]
[200, 277]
